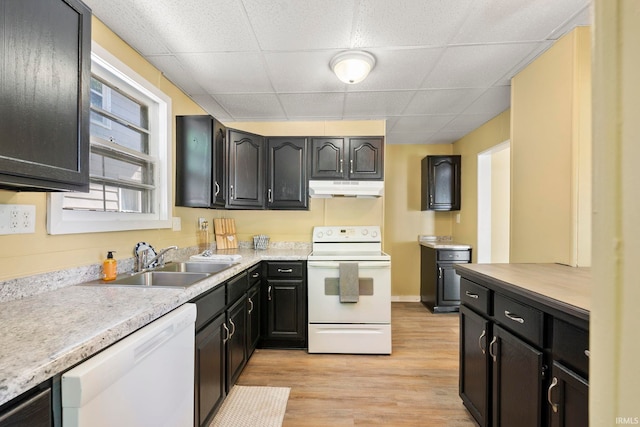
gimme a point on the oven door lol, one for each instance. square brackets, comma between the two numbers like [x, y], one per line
[374, 302]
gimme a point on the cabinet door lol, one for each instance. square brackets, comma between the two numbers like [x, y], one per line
[237, 343]
[194, 161]
[246, 170]
[34, 412]
[44, 125]
[286, 300]
[219, 164]
[287, 184]
[517, 381]
[366, 158]
[441, 183]
[475, 364]
[210, 387]
[428, 277]
[253, 321]
[448, 285]
[327, 158]
[568, 398]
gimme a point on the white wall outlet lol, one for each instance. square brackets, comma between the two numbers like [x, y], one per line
[176, 224]
[17, 219]
[457, 218]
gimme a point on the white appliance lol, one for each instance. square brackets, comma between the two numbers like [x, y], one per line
[362, 327]
[328, 188]
[146, 379]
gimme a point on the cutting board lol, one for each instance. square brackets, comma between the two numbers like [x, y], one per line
[225, 231]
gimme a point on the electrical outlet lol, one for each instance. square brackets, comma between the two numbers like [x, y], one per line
[17, 219]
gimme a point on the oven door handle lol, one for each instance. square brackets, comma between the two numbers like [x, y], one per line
[361, 264]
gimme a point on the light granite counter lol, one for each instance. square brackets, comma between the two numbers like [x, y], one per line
[47, 333]
[445, 245]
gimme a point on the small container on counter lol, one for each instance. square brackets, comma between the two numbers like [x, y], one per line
[109, 267]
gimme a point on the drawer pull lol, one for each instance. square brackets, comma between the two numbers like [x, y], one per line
[587, 353]
[554, 406]
[471, 295]
[228, 335]
[285, 270]
[482, 335]
[255, 275]
[513, 317]
[493, 355]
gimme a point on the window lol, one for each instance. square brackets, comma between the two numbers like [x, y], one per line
[129, 160]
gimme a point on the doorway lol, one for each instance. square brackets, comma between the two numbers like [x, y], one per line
[494, 200]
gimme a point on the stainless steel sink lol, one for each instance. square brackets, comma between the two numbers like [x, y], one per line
[167, 279]
[197, 267]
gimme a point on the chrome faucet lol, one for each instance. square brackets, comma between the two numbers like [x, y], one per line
[142, 261]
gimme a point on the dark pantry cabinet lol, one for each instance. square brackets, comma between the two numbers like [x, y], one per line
[287, 183]
[45, 63]
[354, 158]
[200, 162]
[440, 176]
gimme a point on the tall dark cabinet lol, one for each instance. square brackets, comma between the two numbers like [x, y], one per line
[45, 69]
[245, 187]
[356, 158]
[287, 182]
[440, 176]
[200, 162]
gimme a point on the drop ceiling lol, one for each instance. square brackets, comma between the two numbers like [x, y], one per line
[443, 66]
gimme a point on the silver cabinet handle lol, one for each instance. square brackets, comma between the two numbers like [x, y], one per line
[351, 166]
[471, 295]
[255, 275]
[587, 353]
[340, 165]
[250, 302]
[269, 293]
[554, 406]
[217, 188]
[439, 273]
[482, 335]
[270, 197]
[513, 317]
[233, 331]
[285, 270]
[493, 355]
[231, 192]
[228, 335]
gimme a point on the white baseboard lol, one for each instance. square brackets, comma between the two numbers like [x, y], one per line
[405, 298]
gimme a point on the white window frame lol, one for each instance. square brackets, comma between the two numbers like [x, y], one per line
[61, 221]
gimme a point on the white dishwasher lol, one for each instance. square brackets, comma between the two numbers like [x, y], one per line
[146, 379]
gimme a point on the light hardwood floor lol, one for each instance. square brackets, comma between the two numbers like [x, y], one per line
[415, 386]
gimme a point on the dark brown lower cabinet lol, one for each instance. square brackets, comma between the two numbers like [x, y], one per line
[568, 396]
[36, 411]
[474, 364]
[237, 341]
[253, 318]
[517, 381]
[210, 371]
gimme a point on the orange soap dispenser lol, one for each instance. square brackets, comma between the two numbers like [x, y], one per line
[109, 267]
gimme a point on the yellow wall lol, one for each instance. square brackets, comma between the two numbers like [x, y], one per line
[614, 372]
[500, 205]
[550, 154]
[404, 220]
[492, 133]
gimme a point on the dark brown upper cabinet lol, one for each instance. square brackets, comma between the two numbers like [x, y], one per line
[287, 184]
[200, 162]
[357, 158]
[45, 70]
[246, 170]
[440, 183]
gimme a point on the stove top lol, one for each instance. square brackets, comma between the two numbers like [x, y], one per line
[344, 243]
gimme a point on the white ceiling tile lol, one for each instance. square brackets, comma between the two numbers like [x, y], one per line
[476, 66]
[538, 49]
[252, 106]
[297, 25]
[303, 72]
[442, 101]
[234, 72]
[495, 99]
[515, 20]
[407, 138]
[408, 22]
[580, 19]
[446, 137]
[376, 104]
[468, 122]
[312, 104]
[175, 71]
[211, 106]
[427, 123]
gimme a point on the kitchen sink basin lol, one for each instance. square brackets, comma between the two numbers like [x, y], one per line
[167, 279]
[197, 267]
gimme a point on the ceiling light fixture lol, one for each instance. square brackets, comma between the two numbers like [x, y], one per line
[352, 66]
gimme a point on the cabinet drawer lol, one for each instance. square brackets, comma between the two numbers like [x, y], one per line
[520, 318]
[278, 270]
[254, 274]
[209, 305]
[453, 255]
[236, 287]
[474, 295]
[570, 346]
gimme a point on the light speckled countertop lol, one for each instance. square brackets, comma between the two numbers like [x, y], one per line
[47, 333]
[447, 244]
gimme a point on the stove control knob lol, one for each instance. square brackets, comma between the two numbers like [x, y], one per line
[374, 234]
[319, 234]
[329, 232]
[365, 231]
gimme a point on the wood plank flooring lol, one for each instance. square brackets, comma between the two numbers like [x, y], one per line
[415, 386]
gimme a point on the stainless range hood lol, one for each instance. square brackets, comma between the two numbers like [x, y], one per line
[327, 189]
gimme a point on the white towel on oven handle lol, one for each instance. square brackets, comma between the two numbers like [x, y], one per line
[349, 282]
